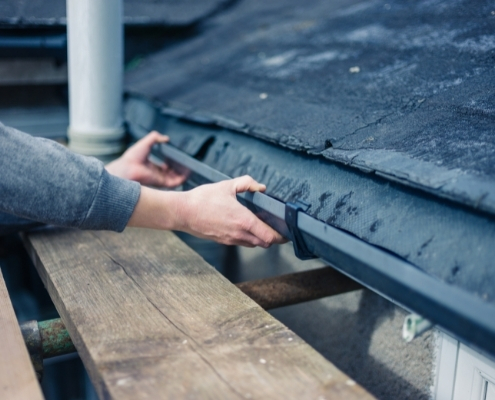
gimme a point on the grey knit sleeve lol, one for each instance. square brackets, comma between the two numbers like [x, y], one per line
[42, 181]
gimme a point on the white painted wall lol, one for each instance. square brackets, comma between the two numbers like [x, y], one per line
[462, 373]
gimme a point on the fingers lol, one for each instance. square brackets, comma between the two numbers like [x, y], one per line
[173, 179]
[266, 233]
[154, 137]
[159, 137]
[161, 176]
[246, 183]
[150, 139]
[138, 153]
[264, 239]
[261, 234]
[244, 238]
[157, 176]
[169, 177]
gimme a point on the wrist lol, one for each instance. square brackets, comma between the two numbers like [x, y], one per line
[171, 206]
[157, 209]
[166, 208]
[116, 168]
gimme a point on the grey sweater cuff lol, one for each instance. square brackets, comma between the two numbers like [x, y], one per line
[113, 204]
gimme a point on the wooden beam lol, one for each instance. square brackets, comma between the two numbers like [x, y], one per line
[151, 319]
[17, 378]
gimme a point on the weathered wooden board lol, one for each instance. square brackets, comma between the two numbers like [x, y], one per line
[17, 378]
[152, 320]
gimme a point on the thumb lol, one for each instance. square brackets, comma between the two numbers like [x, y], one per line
[246, 183]
[151, 138]
[140, 150]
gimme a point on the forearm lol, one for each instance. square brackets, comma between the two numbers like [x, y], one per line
[157, 209]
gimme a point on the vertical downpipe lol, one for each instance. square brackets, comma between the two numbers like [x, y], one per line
[95, 57]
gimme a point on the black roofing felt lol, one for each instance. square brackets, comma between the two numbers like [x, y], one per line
[449, 242]
[400, 92]
[402, 89]
[38, 13]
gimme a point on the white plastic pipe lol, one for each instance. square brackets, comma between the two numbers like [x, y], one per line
[95, 56]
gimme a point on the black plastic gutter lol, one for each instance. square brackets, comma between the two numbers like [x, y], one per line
[459, 313]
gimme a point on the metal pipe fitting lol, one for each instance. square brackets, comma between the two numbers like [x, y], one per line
[31, 334]
[46, 339]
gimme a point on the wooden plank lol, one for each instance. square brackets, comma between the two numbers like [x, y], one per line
[152, 320]
[17, 378]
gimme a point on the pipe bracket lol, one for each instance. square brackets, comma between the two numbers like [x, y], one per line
[31, 334]
[292, 211]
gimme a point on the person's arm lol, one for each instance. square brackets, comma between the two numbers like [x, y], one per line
[42, 181]
[209, 211]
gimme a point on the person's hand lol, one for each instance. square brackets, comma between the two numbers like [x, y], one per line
[134, 165]
[208, 211]
[213, 212]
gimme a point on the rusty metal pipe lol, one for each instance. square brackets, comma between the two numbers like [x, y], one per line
[55, 340]
[286, 290]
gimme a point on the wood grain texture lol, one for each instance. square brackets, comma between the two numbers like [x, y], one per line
[152, 320]
[17, 378]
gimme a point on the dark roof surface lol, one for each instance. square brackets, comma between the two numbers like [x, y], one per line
[399, 92]
[39, 13]
[403, 89]
[449, 242]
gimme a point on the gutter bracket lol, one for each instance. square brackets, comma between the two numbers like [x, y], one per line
[291, 213]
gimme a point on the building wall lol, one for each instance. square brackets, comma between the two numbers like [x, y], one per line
[462, 373]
